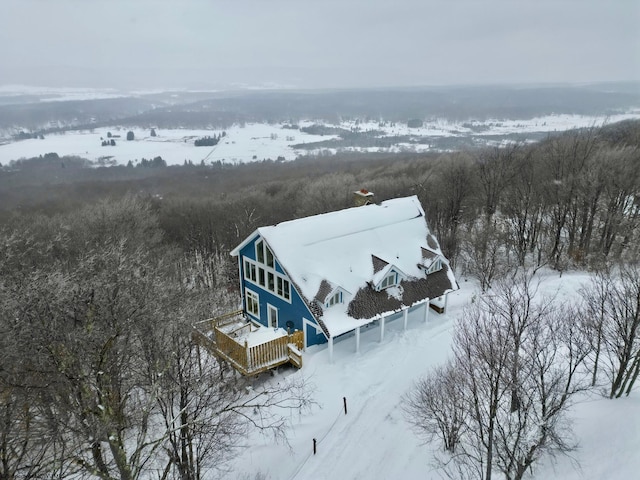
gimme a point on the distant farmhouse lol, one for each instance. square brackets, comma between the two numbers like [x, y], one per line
[320, 277]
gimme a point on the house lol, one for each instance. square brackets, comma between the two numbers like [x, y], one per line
[334, 273]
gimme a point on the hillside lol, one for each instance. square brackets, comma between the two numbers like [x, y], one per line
[374, 441]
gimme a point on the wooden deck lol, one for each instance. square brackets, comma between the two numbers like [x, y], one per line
[219, 336]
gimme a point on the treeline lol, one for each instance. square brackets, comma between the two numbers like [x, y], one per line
[99, 375]
[209, 141]
[571, 199]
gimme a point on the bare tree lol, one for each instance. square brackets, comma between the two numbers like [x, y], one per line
[614, 303]
[565, 157]
[483, 252]
[496, 169]
[436, 409]
[444, 195]
[518, 362]
[621, 213]
[523, 209]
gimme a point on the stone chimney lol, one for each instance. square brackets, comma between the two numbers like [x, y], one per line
[362, 197]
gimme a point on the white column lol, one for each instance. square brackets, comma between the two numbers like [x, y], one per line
[381, 328]
[446, 302]
[405, 316]
[330, 349]
[426, 310]
[358, 340]
[304, 335]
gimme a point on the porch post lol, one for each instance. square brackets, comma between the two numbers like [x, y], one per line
[446, 302]
[381, 328]
[426, 310]
[304, 335]
[405, 316]
[330, 349]
[358, 340]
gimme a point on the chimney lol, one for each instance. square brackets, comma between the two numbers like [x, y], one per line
[362, 197]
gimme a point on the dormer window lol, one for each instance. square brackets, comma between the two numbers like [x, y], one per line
[334, 299]
[435, 266]
[389, 281]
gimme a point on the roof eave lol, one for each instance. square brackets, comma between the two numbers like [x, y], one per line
[236, 251]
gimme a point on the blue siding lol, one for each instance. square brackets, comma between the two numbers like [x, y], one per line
[293, 311]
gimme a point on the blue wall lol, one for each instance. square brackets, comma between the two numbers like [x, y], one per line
[293, 311]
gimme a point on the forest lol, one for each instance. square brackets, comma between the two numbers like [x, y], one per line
[103, 271]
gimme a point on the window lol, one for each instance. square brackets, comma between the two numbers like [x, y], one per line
[388, 281]
[250, 270]
[269, 257]
[287, 289]
[337, 298]
[264, 254]
[260, 251]
[435, 266]
[252, 302]
[272, 316]
[267, 277]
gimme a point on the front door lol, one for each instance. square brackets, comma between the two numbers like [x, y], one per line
[272, 314]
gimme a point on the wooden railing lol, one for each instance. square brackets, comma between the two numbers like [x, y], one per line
[231, 350]
[295, 355]
[255, 359]
[220, 321]
[273, 352]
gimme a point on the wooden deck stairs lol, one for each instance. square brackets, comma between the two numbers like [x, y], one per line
[220, 335]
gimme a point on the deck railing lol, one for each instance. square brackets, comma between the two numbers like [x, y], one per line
[220, 321]
[274, 351]
[249, 360]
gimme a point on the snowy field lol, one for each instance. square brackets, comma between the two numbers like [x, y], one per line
[444, 128]
[373, 441]
[255, 142]
[54, 94]
[241, 144]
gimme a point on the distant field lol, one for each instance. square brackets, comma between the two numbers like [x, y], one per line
[259, 141]
[241, 144]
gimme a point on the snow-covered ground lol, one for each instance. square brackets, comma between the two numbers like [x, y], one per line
[59, 94]
[248, 143]
[258, 141]
[438, 127]
[373, 441]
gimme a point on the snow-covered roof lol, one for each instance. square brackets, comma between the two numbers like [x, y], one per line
[347, 248]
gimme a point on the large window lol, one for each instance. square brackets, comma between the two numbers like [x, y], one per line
[262, 272]
[252, 303]
[264, 254]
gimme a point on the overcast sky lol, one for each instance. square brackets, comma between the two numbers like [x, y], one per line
[316, 43]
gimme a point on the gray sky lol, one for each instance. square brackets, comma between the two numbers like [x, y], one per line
[316, 43]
